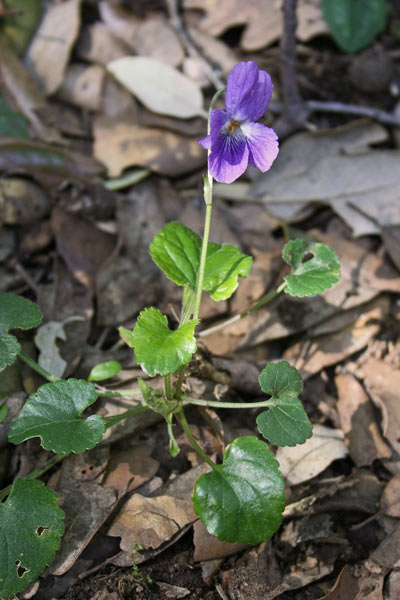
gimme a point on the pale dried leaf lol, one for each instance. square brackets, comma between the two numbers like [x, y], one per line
[306, 461]
[157, 38]
[119, 144]
[390, 499]
[50, 49]
[83, 86]
[160, 87]
[122, 23]
[96, 44]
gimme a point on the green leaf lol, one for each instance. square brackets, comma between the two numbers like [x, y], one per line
[176, 250]
[53, 413]
[354, 24]
[12, 124]
[242, 500]
[157, 348]
[9, 348]
[31, 526]
[286, 423]
[20, 27]
[312, 276]
[105, 370]
[3, 412]
[18, 312]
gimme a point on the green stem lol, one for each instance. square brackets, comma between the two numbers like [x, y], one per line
[168, 389]
[36, 473]
[118, 393]
[34, 365]
[185, 426]
[264, 300]
[181, 377]
[217, 404]
[135, 410]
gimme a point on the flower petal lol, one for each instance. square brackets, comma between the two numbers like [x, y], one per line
[262, 143]
[229, 157]
[248, 92]
[242, 81]
[205, 142]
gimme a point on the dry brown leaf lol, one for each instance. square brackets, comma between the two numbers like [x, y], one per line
[83, 86]
[156, 38]
[263, 20]
[390, 499]
[150, 521]
[214, 50]
[22, 201]
[130, 468]
[387, 554]
[332, 348]
[357, 417]
[208, 547]
[383, 384]
[86, 504]
[356, 582]
[119, 143]
[83, 246]
[96, 44]
[306, 171]
[308, 460]
[50, 49]
[122, 23]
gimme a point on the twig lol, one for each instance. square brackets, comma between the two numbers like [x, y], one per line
[176, 21]
[352, 109]
[294, 110]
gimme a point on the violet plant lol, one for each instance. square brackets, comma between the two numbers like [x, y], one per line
[239, 500]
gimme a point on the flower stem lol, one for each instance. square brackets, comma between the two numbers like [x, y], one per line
[168, 389]
[218, 404]
[185, 426]
[264, 300]
[34, 365]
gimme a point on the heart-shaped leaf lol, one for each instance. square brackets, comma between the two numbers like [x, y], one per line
[158, 349]
[9, 348]
[355, 24]
[18, 312]
[312, 276]
[242, 500]
[54, 412]
[286, 422]
[31, 526]
[176, 250]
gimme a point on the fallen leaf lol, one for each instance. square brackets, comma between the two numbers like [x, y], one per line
[160, 87]
[83, 246]
[48, 54]
[208, 547]
[332, 348]
[172, 591]
[390, 499]
[150, 521]
[130, 468]
[387, 554]
[46, 341]
[83, 86]
[357, 417]
[308, 460]
[96, 44]
[22, 201]
[356, 581]
[306, 170]
[122, 23]
[156, 38]
[383, 383]
[119, 143]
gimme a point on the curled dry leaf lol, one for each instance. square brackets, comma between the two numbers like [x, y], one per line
[83, 86]
[50, 49]
[119, 144]
[306, 461]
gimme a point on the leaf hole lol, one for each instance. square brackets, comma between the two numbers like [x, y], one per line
[40, 530]
[20, 569]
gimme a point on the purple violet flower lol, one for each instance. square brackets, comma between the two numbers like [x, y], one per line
[235, 138]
